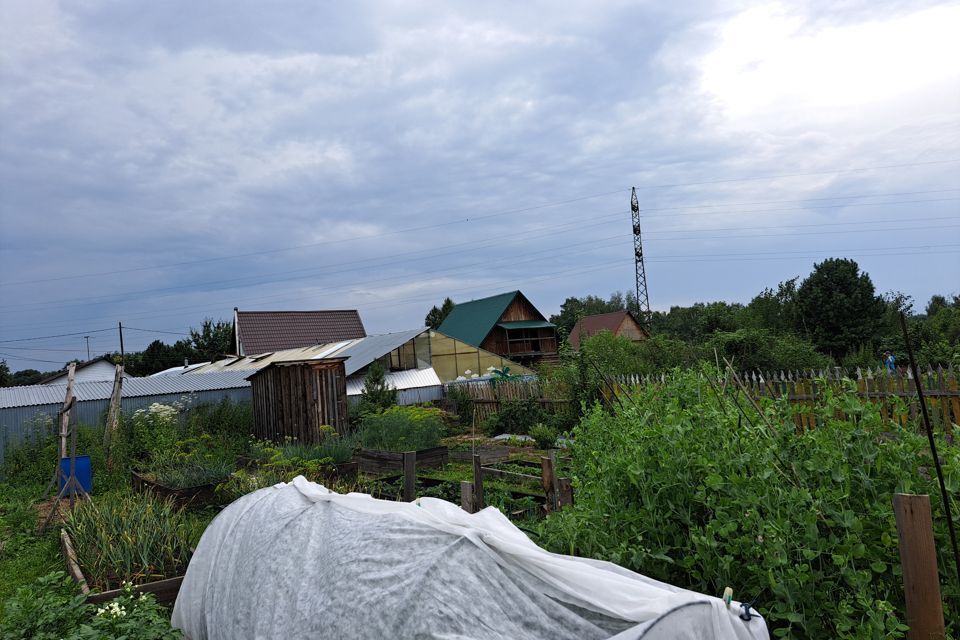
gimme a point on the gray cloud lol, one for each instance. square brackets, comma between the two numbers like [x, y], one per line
[137, 136]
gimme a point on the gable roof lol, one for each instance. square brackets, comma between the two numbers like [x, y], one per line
[590, 325]
[472, 321]
[263, 331]
[80, 365]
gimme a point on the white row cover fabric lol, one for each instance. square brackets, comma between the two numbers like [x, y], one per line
[299, 561]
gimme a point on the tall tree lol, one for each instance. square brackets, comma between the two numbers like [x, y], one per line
[4, 374]
[437, 315]
[838, 307]
[213, 338]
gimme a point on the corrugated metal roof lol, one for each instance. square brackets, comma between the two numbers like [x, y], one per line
[362, 352]
[263, 331]
[132, 388]
[409, 379]
[472, 321]
[174, 371]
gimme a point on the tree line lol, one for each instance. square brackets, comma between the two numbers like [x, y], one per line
[213, 338]
[834, 317]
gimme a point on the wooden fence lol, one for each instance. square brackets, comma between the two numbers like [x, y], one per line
[488, 397]
[896, 392]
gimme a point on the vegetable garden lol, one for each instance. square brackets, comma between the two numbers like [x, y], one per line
[684, 479]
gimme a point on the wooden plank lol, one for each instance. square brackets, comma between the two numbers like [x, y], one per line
[166, 591]
[477, 485]
[466, 496]
[68, 402]
[549, 483]
[500, 473]
[565, 497]
[70, 558]
[918, 557]
[409, 476]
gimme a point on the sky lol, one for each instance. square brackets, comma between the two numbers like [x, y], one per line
[165, 162]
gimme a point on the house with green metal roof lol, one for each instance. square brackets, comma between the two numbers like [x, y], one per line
[506, 324]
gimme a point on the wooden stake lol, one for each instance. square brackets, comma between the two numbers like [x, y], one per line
[918, 556]
[409, 476]
[65, 411]
[466, 496]
[113, 413]
[477, 484]
[549, 483]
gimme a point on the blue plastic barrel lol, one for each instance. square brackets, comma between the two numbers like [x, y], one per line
[83, 471]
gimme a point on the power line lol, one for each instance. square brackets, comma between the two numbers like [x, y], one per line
[497, 214]
[176, 333]
[61, 335]
[8, 355]
[476, 245]
[868, 252]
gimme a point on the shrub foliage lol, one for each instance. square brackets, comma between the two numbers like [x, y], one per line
[684, 487]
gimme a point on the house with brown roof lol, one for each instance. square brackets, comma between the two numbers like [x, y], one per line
[620, 323]
[507, 325]
[258, 332]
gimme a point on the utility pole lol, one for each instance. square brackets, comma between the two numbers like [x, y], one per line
[643, 299]
[87, 338]
[123, 361]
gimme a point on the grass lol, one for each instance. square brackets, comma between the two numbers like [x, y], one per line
[24, 556]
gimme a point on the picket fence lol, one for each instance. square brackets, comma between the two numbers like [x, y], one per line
[895, 392]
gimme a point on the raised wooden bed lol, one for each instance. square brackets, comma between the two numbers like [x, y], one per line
[379, 462]
[488, 455]
[165, 590]
[198, 496]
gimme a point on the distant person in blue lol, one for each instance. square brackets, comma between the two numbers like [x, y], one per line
[890, 362]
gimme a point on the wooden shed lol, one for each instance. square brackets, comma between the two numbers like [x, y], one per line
[294, 399]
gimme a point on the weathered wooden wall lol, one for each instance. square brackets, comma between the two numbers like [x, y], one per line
[293, 400]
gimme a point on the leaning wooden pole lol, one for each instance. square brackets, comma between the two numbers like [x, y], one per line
[113, 414]
[918, 557]
[65, 411]
[933, 447]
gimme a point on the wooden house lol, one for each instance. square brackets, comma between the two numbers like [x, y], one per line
[620, 323]
[507, 325]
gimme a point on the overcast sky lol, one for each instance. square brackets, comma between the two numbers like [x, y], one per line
[162, 162]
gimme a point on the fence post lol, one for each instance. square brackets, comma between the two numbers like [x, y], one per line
[409, 476]
[466, 496]
[477, 484]
[918, 556]
[549, 483]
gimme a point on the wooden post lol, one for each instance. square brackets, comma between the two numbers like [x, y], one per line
[477, 484]
[918, 556]
[466, 496]
[565, 493]
[65, 411]
[409, 476]
[113, 413]
[549, 483]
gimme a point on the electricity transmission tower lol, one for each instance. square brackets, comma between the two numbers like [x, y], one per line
[643, 300]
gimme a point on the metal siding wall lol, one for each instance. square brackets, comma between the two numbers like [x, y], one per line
[18, 424]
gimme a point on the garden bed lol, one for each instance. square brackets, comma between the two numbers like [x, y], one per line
[488, 455]
[379, 462]
[165, 590]
[200, 495]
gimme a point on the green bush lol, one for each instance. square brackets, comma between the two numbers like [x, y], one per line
[515, 417]
[464, 401]
[137, 538]
[52, 609]
[402, 429]
[679, 486]
[544, 435]
[376, 395]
